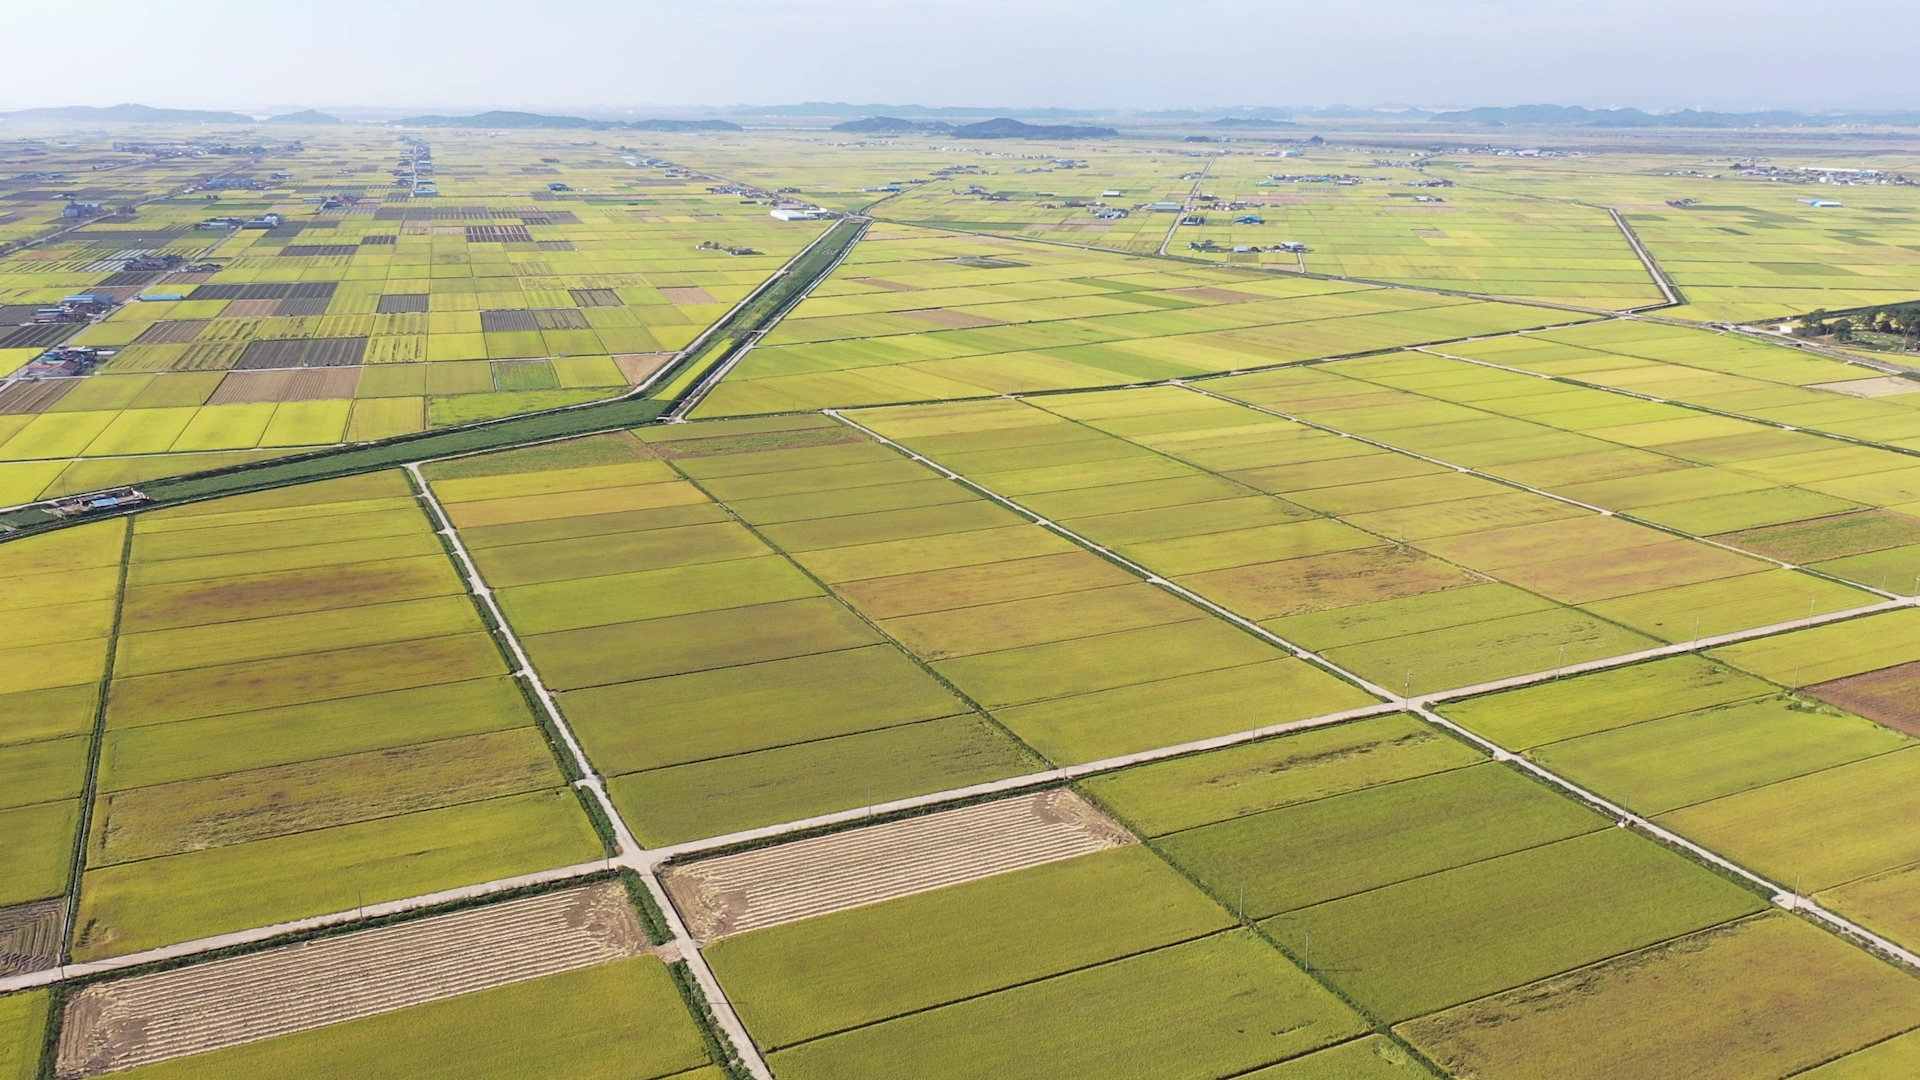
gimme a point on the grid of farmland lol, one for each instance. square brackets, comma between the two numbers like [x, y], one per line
[1027, 656]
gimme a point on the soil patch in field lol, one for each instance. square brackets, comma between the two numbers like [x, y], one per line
[150, 1018]
[30, 936]
[1883, 386]
[248, 309]
[33, 397]
[1890, 696]
[172, 332]
[639, 367]
[769, 886]
[286, 384]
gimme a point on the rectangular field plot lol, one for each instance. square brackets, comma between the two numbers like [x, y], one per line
[329, 733]
[267, 995]
[1216, 1006]
[957, 942]
[641, 1029]
[734, 894]
[1408, 949]
[1766, 996]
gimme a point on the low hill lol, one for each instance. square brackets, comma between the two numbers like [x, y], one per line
[305, 116]
[1251, 122]
[685, 125]
[1008, 128]
[130, 114]
[892, 125]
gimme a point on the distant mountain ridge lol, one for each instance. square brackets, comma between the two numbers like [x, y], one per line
[1578, 116]
[892, 125]
[304, 116]
[506, 119]
[1004, 127]
[130, 114]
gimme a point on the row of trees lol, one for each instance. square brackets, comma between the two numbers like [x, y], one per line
[1902, 320]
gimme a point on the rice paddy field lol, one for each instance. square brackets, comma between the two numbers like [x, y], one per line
[918, 314]
[1053, 645]
[304, 713]
[372, 309]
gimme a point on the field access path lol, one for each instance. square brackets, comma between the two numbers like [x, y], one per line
[628, 851]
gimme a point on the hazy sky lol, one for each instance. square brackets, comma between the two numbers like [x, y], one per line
[1726, 54]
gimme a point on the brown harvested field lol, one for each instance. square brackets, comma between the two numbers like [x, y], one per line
[30, 935]
[688, 294]
[33, 397]
[883, 283]
[286, 384]
[1764, 997]
[248, 309]
[639, 367]
[952, 320]
[788, 882]
[1890, 696]
[1830, 538]
[255, 596]
[149, 1018]
[1881, 386]
[1323, 582]
[172, 332]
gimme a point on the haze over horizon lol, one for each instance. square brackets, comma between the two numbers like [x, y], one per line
[1122, 54]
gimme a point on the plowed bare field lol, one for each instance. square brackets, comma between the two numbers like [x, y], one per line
[138, 1021]
[769, 886]
[1890, 696]
[30, 935]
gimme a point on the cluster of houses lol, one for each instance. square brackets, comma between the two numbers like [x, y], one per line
[65, 361]
[415, 169]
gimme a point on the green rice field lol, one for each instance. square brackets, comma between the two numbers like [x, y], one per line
[1244, 607]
